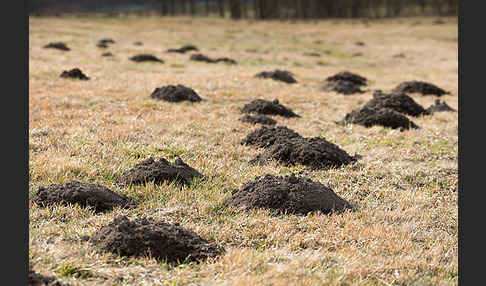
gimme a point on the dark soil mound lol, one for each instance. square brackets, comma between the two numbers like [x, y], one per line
[359, 43]
[420, 87]
[138, 43]
[312, 54]
[159, 172]
[146, 58]
[386, 117]
[439, 107]
[106, 41]
[102, 45]
[400, 55]
[165, 242]
[36, 279]
[400, 102]
[74, 73]
[343, 86]
[203, 58]
[280, 75]
[175, 93]
[261, 106]
[226, 60]
[348, 76]
[183, 49]
[94, 196]
[255, 119]
[266, 136]
[289, 194]
[57, 45]
[315, 153]
[108, 54]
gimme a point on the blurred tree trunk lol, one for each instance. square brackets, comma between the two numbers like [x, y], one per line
[235, 9]
[221, 8]
[172, 7]
[244, 9]
[192, 8]
[206, 7]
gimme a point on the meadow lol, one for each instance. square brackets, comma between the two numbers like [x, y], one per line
[404, 230]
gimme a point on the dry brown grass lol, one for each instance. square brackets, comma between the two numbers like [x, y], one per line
[404, 231]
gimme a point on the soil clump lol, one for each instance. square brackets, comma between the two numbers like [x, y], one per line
[170, 243]
[264, 136]
[280, 75]
[183, 49]
[107, 54]
[397, 101]
[315, 153]
[385, 117]
[424, 88]
[37, 279]
[439, 107]
[159, 172]
[146, 58]
[203, 58]
[348, 76]
[343, 86]
[57, 45]
[94, 196]
[266, 107]
[287, 194]
[175, 93]
[74, 73]
[257, 119]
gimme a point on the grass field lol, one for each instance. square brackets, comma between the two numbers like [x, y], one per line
[404, 230]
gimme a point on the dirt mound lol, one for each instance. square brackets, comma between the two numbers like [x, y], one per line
[203, 58]
[159, 172]
[348, 76]
[343, 87]
[170, 243]
[138, 43]
[399, 102]
[280, 75]
[146, 58]
[94, 196]
[74, 73]
[175, 93]
[108, 54]
[36, 279]
[107, 41]
[439, 107]
[359, 43]
[57, 45]
[255, 119]
[183, 49]
[102, 45]
[226, 60]
[262, 106]
[315, 153]
[385, 117]
[312, 54]
[266, 136]
[424, 88]
[289, 194]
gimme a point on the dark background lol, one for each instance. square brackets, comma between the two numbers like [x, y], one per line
[249, 9]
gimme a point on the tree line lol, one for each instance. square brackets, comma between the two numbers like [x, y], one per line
[252, 9]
